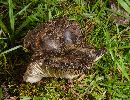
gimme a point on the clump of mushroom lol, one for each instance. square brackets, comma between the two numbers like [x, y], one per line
[59, 50]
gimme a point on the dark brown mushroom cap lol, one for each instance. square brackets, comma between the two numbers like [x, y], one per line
[54, 35]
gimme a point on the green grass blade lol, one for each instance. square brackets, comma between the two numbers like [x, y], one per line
[107, 35]
[26, 22]
[102, 9]
[2, 38]
[128, 2]
[95, 6]
[25, 98]
[121, 66]
[11, 16]
[124, 5]
[22, 26]
[19, 13]
[50, 14]
[123, 47]
[3, 27]
[12, 49]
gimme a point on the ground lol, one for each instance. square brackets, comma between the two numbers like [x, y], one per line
[109, 77]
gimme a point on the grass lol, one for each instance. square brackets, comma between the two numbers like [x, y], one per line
[109, 77]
